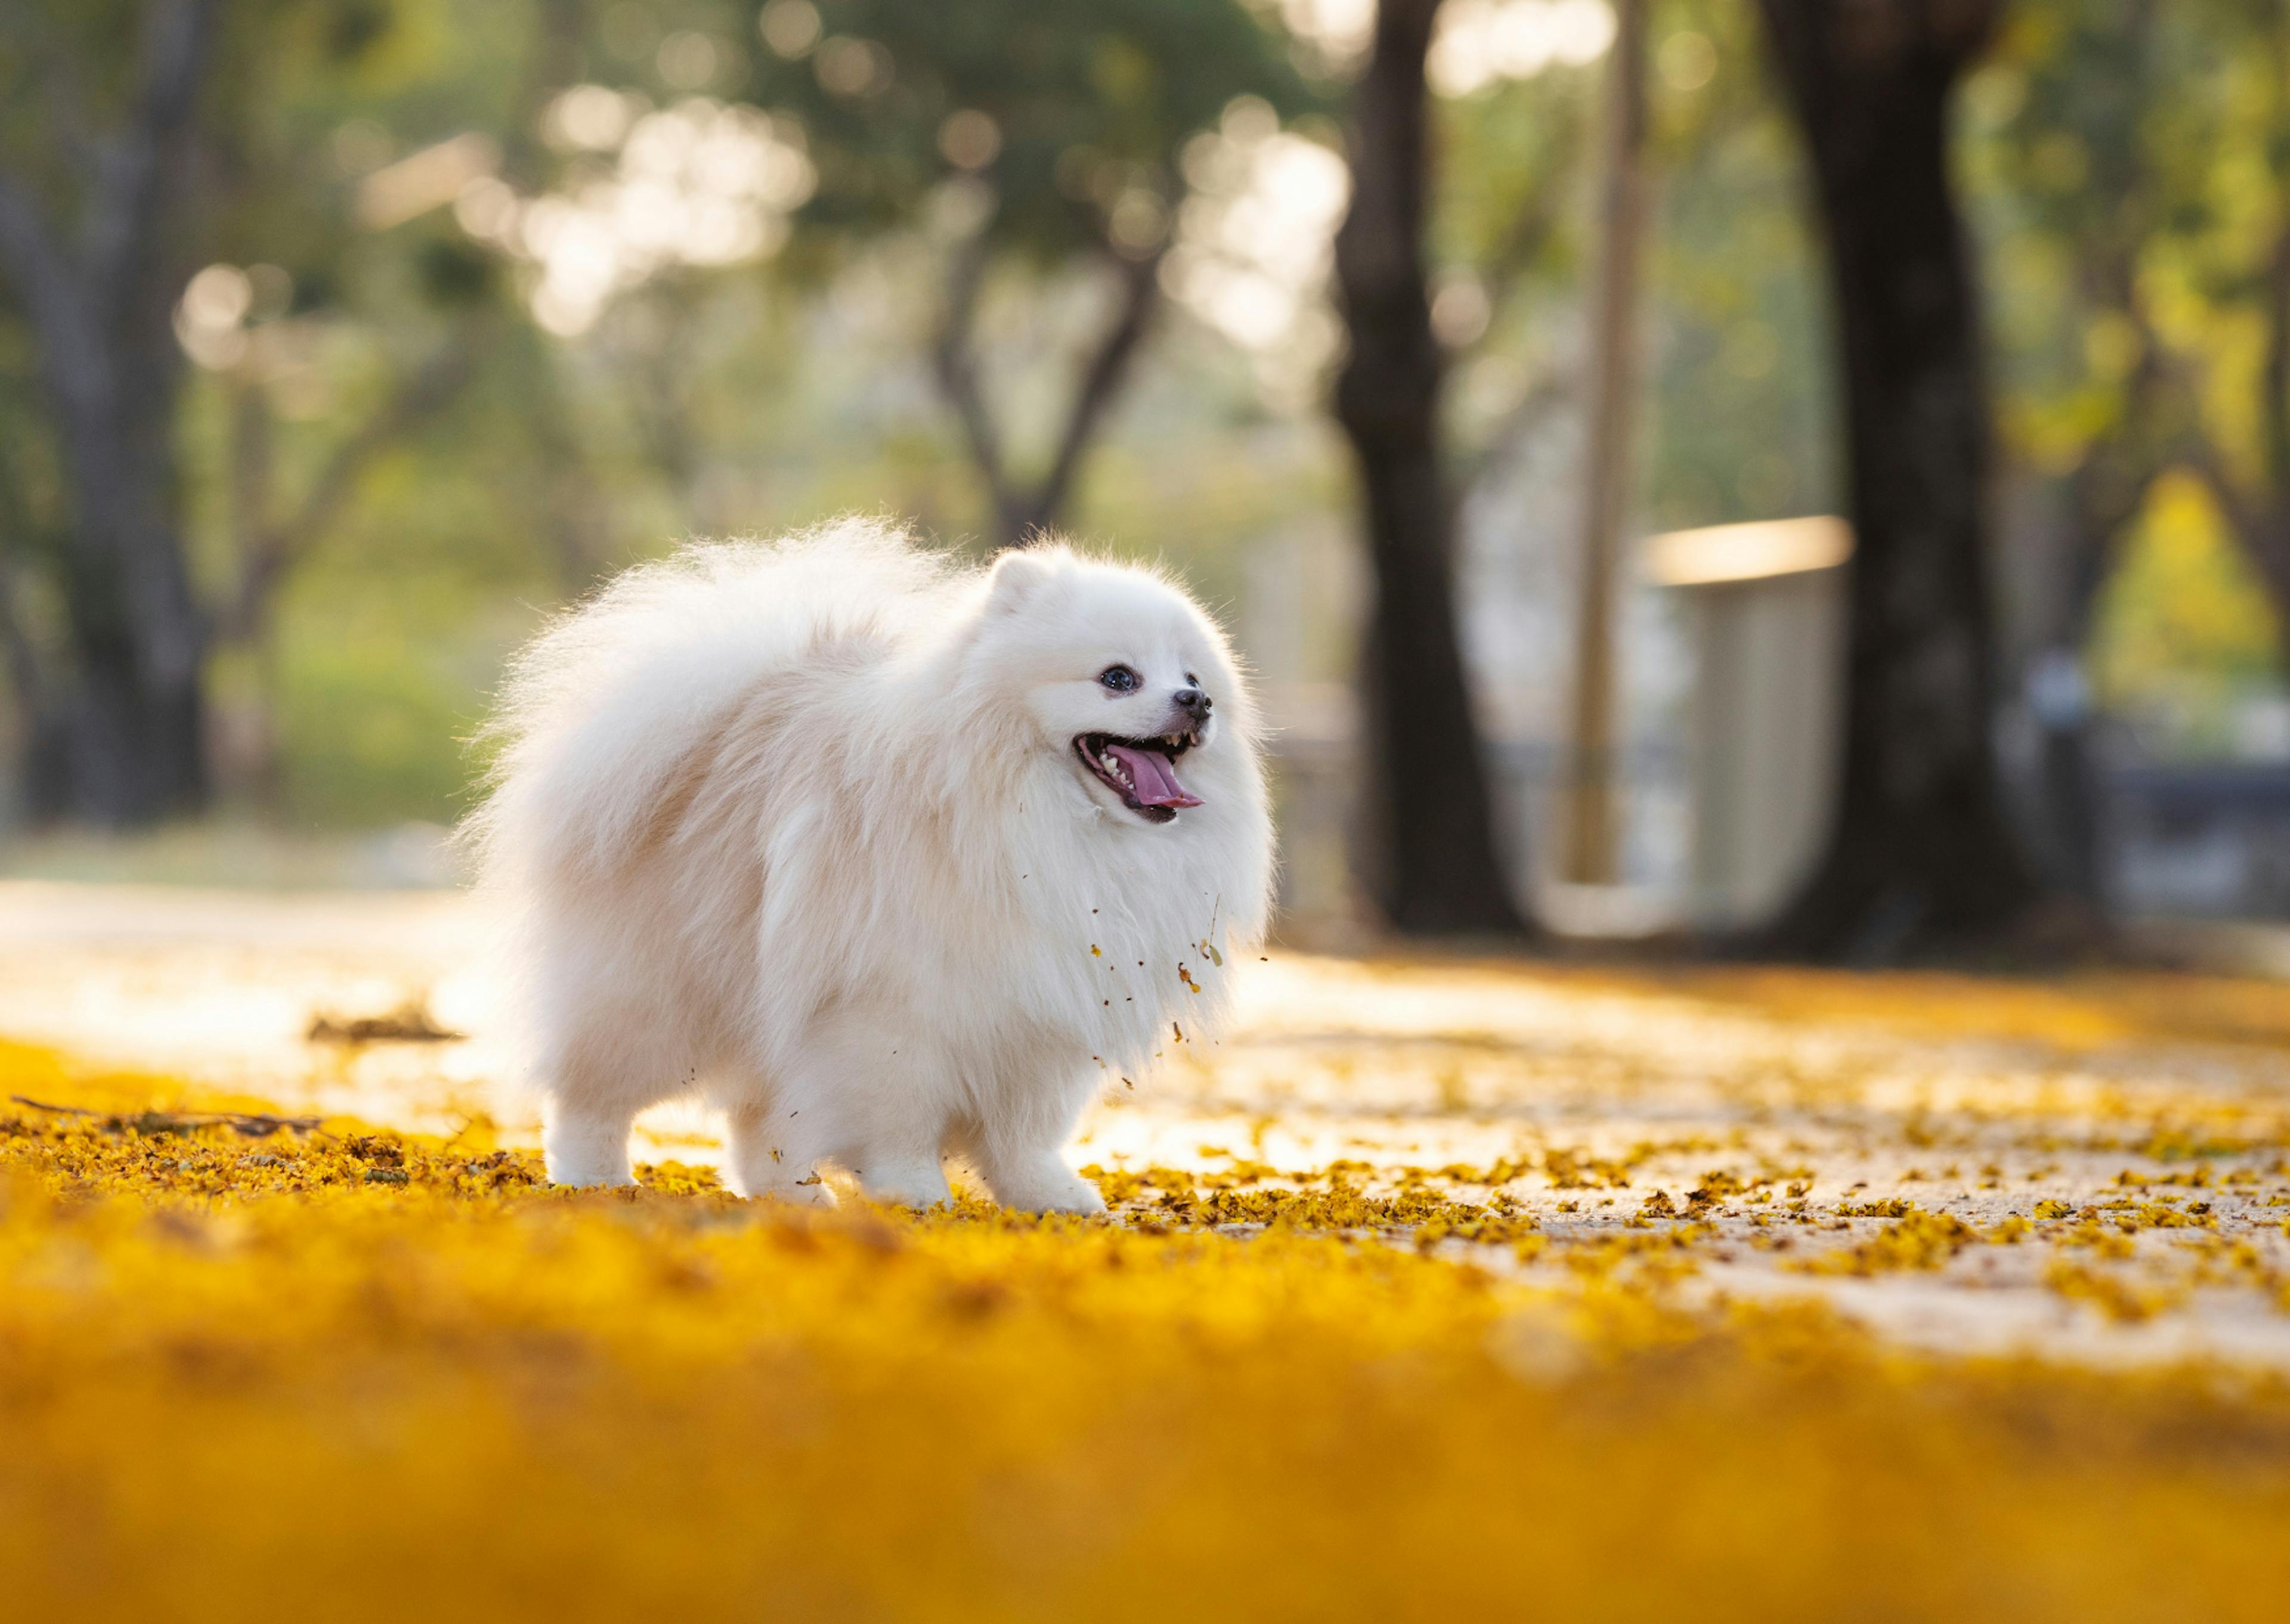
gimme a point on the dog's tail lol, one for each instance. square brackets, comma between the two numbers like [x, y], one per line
[612, 700]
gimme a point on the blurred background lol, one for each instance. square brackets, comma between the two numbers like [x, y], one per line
[341, 341]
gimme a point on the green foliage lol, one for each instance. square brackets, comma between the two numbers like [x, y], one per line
[1087, 104]
[366, 732]
[1737, 404]
[751, 397]
[2129, 165]
[1741, 403]
[2183, 628]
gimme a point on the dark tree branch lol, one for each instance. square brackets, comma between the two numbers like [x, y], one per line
[1523, 241]
[1022, 512]
[2261, 522]
[1100, 383]
[574, 513]
[2112, 482]
[2109, 485]
[658, 375]
[956, 359]
[273, 550]
[1530, 232]
[2236, 506]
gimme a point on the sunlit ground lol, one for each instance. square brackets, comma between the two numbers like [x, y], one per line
[1437, 1288]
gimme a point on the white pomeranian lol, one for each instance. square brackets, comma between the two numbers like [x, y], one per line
[890, 858]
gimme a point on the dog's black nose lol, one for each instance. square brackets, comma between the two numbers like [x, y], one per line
[1193, 702]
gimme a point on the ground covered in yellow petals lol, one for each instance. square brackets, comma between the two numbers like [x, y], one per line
[255, 1368]
[1433, 1289]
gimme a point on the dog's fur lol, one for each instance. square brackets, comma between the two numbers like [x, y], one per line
[801, 828]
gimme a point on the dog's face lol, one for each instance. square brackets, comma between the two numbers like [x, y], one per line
[1119, 674]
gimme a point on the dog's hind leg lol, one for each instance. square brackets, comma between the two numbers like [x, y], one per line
[584, 1145]
[597, 1075]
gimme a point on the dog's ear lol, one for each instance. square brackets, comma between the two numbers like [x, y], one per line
[1017, 575]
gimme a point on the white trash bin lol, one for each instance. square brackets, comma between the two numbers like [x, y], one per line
[1766, 612]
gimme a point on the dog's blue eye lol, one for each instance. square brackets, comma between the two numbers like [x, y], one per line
[1119, 679]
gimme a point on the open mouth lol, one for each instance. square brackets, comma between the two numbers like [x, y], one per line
[1142, 772]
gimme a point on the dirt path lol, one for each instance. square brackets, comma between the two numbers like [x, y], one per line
[2093, 1167]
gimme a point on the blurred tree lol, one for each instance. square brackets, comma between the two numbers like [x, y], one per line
[2133, 162]
[1920, 851]
[2209, 312]
[269, 541]
[1502, 253]
[1041, 136]
[278, 248]
[118, 183]
[92, 179]
[2089, 408]
[1439, 872]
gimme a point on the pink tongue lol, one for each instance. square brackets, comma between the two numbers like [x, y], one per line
[1155, 775]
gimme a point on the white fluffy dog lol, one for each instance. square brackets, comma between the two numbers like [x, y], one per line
[889, 858]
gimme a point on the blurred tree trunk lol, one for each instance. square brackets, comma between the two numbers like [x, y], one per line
[1921, 853]
[1439, 871]
[1591, 858]
[39, 723]
[96, 289]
